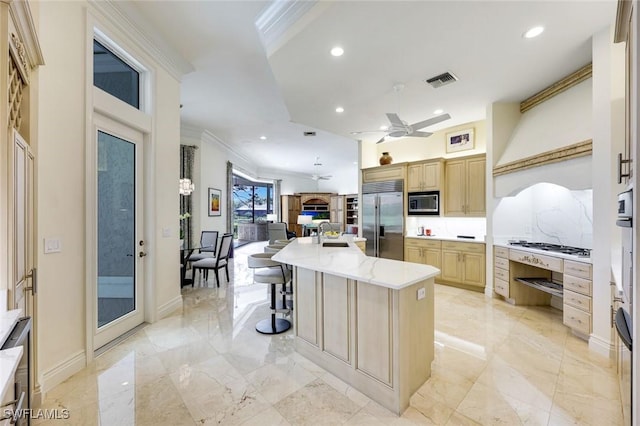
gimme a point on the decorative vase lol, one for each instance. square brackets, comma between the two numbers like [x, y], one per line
[385, 159]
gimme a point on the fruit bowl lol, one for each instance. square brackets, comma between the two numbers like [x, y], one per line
[332, 234]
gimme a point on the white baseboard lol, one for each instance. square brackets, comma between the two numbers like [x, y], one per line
[170, 307]
[61, 372]
[602, 347]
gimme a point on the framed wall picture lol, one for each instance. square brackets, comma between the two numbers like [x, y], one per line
[215, 202]
[460, 141]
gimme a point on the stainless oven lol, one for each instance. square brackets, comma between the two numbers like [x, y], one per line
[424, 203]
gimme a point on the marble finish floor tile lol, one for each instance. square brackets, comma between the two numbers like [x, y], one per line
[495, 364]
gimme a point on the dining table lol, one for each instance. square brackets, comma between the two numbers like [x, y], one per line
[185, 254]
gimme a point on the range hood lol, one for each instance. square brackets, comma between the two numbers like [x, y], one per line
[550, 143]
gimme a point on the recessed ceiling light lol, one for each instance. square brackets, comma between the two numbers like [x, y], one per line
[337, 51]
[384, 127]
[438, 111]
[339, 109]
[533, 32]
[264, 138]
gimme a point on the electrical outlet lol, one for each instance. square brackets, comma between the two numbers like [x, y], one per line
[422, 293]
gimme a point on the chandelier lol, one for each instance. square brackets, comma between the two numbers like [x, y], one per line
[186, 186]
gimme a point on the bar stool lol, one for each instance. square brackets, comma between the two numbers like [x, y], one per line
[269, 271]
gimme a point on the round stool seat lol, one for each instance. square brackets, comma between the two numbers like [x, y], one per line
[268, 271]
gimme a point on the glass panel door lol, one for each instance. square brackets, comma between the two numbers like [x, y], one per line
[120, 248]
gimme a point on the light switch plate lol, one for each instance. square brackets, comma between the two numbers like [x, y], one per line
[422, 293]
[52, 245]
[166, 232]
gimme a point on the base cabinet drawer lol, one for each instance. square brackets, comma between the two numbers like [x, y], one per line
[501, 274]
[501, 287]
[579, 285]
[501, 262]
[579, 269]
[501, 251]
[576, 319]
[577, 300]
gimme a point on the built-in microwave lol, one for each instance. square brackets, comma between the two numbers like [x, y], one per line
[424, 203]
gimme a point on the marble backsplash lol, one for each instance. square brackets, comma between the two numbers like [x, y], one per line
[448, 227]
[546, 213]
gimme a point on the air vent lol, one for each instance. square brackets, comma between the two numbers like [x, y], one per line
[309, 133]
[442, 80]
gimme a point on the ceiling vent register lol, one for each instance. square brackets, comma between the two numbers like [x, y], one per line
[442, 80]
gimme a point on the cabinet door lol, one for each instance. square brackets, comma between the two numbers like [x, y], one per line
[451, 270]
[455, 199]
[413, 254]
[473, 269]
[476, 187]
[415, 177]
[432, 257]
[431, 177]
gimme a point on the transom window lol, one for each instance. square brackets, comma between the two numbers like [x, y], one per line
[115, 76]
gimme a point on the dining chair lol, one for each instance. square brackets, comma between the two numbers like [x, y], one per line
[217, 263]
[277, 231]
[208, 246]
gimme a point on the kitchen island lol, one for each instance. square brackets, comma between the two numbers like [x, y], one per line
[367, 320]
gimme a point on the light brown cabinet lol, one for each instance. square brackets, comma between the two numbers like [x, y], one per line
[424, 176]
[351, 210]
[465, 186]
[427, 252]
[290, 208]
[463, 263]
[460, 263]
[382, 173]
[576, 308]
[336, 210]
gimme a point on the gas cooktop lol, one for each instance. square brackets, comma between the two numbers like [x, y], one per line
[556, 248]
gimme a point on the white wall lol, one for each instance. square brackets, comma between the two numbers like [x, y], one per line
[64, 126]
[61, 192]
[608, 71]
[416, 149]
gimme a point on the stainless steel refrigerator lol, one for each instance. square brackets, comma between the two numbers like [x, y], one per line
[383, 219]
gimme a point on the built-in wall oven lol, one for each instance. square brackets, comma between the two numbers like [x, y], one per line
[623, 304]
[424, 203]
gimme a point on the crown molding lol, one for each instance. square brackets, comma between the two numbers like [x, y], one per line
[558, 87]
[281, 16]
[119, 16]
[195, 133]
[580, 149]
[27, 34]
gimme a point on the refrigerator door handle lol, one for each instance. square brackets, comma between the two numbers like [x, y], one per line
[381, 227]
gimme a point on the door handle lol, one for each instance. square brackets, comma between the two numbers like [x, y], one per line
[142, 254]
[34, 281]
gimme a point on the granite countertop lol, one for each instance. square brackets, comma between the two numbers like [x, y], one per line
[443, 238]
[351, 262]
[9, 358]
[7, 320]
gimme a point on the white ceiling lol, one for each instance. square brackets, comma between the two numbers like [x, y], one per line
[242, 89]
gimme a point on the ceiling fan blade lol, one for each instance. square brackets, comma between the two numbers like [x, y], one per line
[367, 131]
[395, 120]
[431, 121]
[420, 134]
[381, 140]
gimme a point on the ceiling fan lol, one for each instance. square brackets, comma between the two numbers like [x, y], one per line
[317, 176]
[400, 128]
